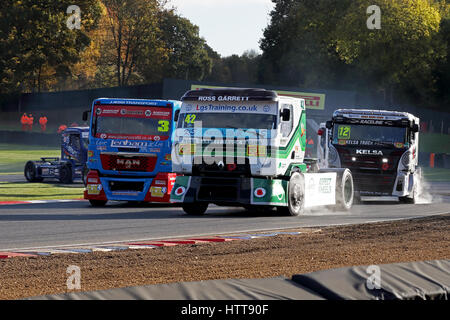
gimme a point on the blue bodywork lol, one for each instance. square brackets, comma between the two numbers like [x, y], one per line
[72, 163]
[120, 184]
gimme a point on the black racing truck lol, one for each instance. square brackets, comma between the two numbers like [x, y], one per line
[379, 147]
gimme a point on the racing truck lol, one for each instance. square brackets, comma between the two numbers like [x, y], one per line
[129, 156]
[246, 147]
[380, 148]
[70, 166]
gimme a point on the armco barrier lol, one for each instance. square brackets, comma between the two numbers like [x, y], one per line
[34, 138]
[400, 281]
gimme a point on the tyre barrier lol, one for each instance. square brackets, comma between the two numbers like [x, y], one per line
[427, 280]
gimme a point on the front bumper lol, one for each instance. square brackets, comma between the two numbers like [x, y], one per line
[230, 190]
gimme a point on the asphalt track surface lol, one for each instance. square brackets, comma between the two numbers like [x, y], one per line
[76, 223]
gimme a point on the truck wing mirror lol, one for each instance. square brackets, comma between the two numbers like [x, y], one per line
[85, 115]
[415, 128]
[329, 124]
[285, 115]
[177, 114]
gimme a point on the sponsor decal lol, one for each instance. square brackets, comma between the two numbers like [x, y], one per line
[101, 148]
[260, 192]
[180, 191]
[342, 142]
[325, 185]
[369, 152]
[94, 189]
[399, 145]
[90, 153]
[312, 100]
[160, 182]
[158, 191]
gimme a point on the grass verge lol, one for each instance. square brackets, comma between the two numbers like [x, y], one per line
[24, 191]
[13, 156]
[436, 174]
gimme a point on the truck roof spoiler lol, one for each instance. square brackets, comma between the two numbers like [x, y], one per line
[229, 94]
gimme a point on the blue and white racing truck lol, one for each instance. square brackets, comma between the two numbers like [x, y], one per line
[129, 150]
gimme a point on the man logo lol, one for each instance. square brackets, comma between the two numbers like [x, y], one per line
[98, 111]
[156, 138]
[221, 165]
[123, 112]
[148, 113]
[266, 108]
[103, 135]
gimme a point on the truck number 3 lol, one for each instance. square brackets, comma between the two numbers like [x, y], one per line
[163, 126]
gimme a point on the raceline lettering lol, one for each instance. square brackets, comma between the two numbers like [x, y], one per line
[370, 152]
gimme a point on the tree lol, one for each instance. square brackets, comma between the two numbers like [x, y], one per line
[297, 44]
[36, 46]
[187, 51]
[136, 36]
[400, 55]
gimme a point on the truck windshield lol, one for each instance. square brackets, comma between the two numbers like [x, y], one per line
[352, 133]
[228, 120]
[127, 122]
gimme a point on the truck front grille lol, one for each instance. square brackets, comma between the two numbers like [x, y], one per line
[118, 162]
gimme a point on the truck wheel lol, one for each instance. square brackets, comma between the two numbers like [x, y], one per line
[296, 195]
[344, 190]
[98, 203]
[416, 189]
[195, 209]
[65, 174]
[30, 172]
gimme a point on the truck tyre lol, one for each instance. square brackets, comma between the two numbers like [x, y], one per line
[195, 209]
[65, 174]
[344, 190]
[98, 203]
[415, 193]
[30, 172]
[295, 195]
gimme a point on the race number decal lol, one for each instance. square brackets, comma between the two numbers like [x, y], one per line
[344, 132]
[163, 126]
[190, 118]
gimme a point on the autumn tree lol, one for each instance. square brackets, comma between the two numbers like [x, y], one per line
[136, 36]
[36, 46]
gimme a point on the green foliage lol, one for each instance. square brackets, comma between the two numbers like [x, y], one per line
[326, 43]
[34, 38]
[187, 53]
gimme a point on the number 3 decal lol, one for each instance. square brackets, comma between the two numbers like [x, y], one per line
[163, 126]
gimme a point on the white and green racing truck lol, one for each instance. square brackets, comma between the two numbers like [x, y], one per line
[246, 147]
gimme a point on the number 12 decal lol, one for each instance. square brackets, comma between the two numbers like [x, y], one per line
[344, 132]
